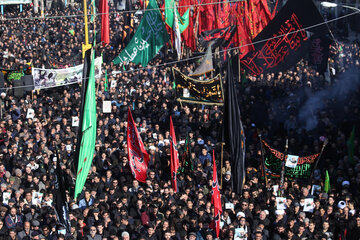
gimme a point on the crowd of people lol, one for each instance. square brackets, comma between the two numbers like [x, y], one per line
[113, 204]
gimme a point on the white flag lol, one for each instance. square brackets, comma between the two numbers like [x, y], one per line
[177, 33]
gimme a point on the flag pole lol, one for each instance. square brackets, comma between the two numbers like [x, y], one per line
[86, 46]
[318, 159]
[262, 159]
[222, 163]
[239, 67]
[283, 167]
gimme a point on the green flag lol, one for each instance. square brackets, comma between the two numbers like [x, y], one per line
[87, 145]
[169, 16]
[149, 38]
[106, 83]
[351, 146]
[327, 183]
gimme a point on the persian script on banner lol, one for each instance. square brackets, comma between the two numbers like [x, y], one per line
[274, 160]
[284, 41]
[48, 78]
[149, 38]
[204, 92]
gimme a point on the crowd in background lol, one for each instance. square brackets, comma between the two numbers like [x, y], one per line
[113, 204]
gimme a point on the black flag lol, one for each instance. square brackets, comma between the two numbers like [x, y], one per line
[319, 52]
[234, 133]
[86, 72]
[284, 41]
[61, 206]
[220, 37]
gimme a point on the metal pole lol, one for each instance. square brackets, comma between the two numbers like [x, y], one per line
[86, 46]
[1, 108]
[263, 160]
[221, 163]
[283, 168]
[318, 159]
[86, 23]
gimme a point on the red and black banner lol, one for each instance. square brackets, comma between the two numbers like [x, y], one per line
[274, 161]
[138, 157]
[284, 41]
[221, 37]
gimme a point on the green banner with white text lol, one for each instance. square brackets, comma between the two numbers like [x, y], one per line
[149, 38]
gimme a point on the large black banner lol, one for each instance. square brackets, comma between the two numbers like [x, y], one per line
[274, 160]
[234, 132]
[195, 91]
[284, 41]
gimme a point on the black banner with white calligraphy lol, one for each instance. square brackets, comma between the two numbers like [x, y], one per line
[195, 91]
[284, 41]
[274, 160]
[319, 52]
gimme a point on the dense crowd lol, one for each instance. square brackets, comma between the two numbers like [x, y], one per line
[113, 204]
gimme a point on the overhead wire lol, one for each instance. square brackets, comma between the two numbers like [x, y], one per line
[239, 47]
[229, 49]
[113, 12]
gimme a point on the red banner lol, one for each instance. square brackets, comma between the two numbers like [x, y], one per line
[207, 19]
[223, 14]
[189, 34]
[105, 29]
[174, 156]
[216, 198]
[138, 157]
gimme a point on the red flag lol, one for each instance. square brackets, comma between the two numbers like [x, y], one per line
[264, 13]
[189, 34]
[105, 28]
[244, 40]
[207, 19]
[174, 156]
[223, 14]
[138, 157]
[216, 198]
[257, 16]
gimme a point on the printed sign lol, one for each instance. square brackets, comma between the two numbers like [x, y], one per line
[106, 106]
[75, 121]
[291, 161]
[309, 205]
[48, 78]
[30, 113]
[281, 203]
[6, 197]
[37, 198]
